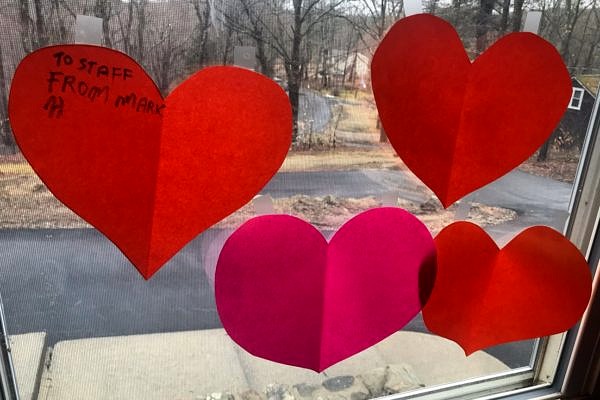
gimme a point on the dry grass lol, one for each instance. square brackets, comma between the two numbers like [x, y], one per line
[358, 116]
[26, 203]
[16, 168]
[561, 166]
[344, 159]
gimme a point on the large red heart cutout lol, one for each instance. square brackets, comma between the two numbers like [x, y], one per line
[283, 293]
[539, 284]
[460, 125]
[150, 173]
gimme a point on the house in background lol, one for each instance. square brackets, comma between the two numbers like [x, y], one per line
[571, 130]
[352, 70]
[577, 117]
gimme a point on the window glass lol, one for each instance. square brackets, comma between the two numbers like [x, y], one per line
[576, 98]
[102, 331]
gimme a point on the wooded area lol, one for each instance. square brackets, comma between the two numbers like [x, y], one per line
[300, 42]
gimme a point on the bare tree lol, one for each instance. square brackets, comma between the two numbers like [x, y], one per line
[6, 137]
[505, 15]
[517, 15]
[484, 24]
[251, 18]
[203, 11]
[372, 18]
[165, 51]
[103, 9]
[285, 32]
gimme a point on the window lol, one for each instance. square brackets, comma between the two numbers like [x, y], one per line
[576, 99]
[85, 325]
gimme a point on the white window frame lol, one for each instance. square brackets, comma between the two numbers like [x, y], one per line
[576, 100]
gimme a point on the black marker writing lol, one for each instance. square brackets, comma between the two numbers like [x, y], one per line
[93, 68]
[125, 100]
[54, 105]
[142, 104]
[62, 57]
[59, 82]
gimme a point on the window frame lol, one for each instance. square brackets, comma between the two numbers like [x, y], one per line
[574, 98]
[563, 366]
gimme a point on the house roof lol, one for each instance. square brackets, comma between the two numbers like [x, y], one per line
[589, 82]
[338, 67]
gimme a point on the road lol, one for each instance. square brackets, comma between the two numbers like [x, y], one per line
[76, 284]
[537, 200]
[314, 109]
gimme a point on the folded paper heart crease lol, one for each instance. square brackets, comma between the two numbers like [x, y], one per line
[149, 172]
[460, 125]
[283, 293]
[539, 284]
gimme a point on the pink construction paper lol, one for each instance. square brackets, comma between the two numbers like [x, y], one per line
[284, 294]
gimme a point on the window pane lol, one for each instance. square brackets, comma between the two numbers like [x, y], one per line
[111, 334]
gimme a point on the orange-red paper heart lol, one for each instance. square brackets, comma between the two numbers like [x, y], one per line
[539, 284]
[460, 125]
[150, 173]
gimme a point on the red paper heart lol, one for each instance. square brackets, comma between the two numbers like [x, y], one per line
[149, 173]
[283, 293]
[458, 126]
[539, 284]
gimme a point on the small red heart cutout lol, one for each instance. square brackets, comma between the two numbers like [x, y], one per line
[539, 284]
[283, 293]
[460, 125]
[150, 173]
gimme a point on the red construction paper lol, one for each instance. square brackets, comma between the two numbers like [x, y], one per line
[150, 173]
[284, 294]
[460, 125]
[539, 284]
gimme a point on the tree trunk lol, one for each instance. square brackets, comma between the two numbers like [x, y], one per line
[483, 25]
[102, 9]
[294, 69]
[204, 24]
[505, 13]
[266, 68]
[543, 151]
[6, 136]
[588, 67]
[140, 29]
[40, 26]
[228, 46]
[381, 29]
[517, 15]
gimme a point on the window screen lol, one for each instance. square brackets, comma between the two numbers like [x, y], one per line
[102, 331]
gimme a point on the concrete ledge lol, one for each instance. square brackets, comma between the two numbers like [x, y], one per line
[207, 365]
[184, 365]
[28, 354]
[436, 360]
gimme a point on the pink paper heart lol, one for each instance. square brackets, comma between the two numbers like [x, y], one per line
[283, 293]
